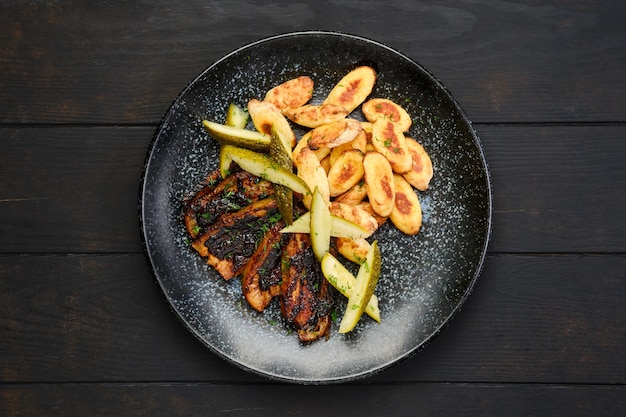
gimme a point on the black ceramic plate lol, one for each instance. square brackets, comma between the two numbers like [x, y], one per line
[425, 278]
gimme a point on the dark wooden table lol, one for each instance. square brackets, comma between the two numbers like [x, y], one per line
[84, 330]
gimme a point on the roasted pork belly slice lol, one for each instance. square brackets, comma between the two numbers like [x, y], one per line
[219, 197]
[306, 296]
[261, 278]
[230, 241]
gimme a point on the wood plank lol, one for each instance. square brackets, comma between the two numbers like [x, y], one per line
[556, 188]
[530, 319]
[76, 190]
[87, 62]
[533, 318]
[95, 317]
[286, 400]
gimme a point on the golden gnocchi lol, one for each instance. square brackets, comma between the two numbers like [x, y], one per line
[379, 181]
[421, 171]
[406, 213]
[382, 108]
[334, 134]
[266, 115]
[291, 94]
[388, 139]
[345, 172]
[353, 88]
[314, 116]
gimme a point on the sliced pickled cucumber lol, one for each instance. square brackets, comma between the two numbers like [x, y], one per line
[364, 286]
[345, 228]
[280, 145]
[321, 222]
[262, 166]
[225, 161]
[280, 152]
[244, 138]
[301, 225]
[236, 116]
[339, 227]
[343, 280]
[284, 198]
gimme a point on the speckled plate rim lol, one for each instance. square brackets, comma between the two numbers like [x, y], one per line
[383, 365]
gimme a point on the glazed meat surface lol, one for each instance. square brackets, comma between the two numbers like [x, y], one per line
[261, 278]
[230, 241]
[235, 224]
[306, 299]
[220, 197]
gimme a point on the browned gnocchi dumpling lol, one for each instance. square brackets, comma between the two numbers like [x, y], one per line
[352, 90]
[291, 94]
[382, 108]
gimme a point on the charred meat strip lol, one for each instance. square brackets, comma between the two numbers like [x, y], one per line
[235, 223]
[306, 298]
[229, 195]
[262, 276]
[230, 241]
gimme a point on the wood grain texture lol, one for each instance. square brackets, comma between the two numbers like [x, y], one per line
[263, 400]
[555, 188]
[530, 319]
[77, 190]
[85, 330]
[115, 62]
